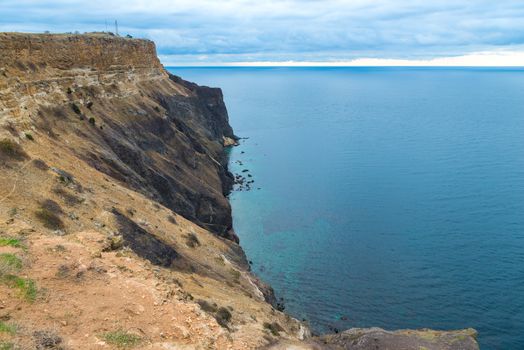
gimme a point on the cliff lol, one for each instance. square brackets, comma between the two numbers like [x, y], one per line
[152, 131]
[115, 229]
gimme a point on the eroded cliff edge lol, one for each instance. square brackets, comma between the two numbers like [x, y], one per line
[114, 221]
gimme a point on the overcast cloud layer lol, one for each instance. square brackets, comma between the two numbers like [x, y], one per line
[225, 31]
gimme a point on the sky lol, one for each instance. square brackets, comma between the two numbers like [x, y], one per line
[295, 32]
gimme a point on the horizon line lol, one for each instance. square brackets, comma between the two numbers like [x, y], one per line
[323, 66]
[488, 59]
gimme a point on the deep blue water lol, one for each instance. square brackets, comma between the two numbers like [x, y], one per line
[393, 197]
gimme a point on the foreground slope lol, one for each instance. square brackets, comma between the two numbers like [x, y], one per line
[115, 229]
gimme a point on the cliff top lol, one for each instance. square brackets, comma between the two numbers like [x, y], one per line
[67, 51]
[69, 36]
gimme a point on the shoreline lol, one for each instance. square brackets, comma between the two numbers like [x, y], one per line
[369, 338]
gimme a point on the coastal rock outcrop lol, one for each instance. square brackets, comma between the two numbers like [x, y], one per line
[377, 338]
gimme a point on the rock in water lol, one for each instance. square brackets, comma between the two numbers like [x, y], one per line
[377, 338]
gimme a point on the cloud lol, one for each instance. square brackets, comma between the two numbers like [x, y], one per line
[287, 30]
[478, 59]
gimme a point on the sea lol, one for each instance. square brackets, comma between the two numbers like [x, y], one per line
[383, 196]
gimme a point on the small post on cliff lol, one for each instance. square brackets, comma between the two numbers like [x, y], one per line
[116, 27]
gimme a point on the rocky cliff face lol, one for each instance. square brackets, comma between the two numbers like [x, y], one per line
[129, 118]
[115, 229]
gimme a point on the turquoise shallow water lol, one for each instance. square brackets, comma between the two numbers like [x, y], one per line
[390, 197]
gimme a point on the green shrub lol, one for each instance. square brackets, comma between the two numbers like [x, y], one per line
[64, 179]
[49, 219]
[192, 240]
[69, 198]
[26, 286]
[220, 261]
[207, 306]
[92, 121]
[7, 328]
[12, 150]
[12, 242]
[48, 214]
[29, 136]
[235, 274]
[63, 271]
[40, 164]
[60, 248]
[52, 206]
[223, 316]
[122, 339]
[6, 346]
[76, 109]
[47, 339]
[9, 262]
[274, 328]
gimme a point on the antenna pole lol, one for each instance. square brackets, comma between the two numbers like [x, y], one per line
[116, 27]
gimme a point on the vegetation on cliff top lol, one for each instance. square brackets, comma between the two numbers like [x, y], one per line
[122, 339]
